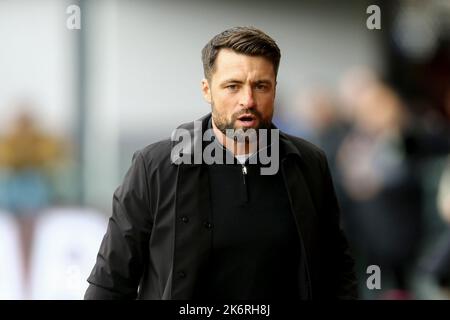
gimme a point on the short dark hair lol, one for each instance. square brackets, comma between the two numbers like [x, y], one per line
[245, 40]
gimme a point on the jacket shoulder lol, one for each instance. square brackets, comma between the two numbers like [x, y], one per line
[157, 153]
[307, 150]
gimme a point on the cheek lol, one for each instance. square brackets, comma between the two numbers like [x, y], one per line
[225, 103]
[266, 105]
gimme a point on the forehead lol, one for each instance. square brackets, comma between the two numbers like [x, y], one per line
[232, 64]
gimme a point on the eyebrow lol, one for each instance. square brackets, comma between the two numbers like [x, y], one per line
[231, 81]
[262, 81]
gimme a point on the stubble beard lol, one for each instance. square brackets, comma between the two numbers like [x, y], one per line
[224, 125]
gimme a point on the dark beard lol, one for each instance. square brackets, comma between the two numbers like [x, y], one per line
[223, 125]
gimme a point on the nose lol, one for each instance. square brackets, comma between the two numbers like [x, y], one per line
[247, 99]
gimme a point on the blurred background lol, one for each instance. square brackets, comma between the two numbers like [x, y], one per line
[76, 103]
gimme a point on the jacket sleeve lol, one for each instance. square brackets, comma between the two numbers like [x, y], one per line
[123, 252]
[342, 261]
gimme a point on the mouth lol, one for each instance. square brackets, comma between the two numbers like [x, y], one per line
[247, 120]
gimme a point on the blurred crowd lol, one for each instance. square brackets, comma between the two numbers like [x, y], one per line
[389, 166]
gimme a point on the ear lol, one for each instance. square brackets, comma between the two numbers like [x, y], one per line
[206, 90]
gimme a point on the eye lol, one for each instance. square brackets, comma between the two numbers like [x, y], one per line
[261, 87]
[232, 87]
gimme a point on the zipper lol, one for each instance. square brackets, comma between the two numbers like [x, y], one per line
[244, 173]
[244, 177]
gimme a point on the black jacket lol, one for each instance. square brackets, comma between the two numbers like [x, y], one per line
[158, 238]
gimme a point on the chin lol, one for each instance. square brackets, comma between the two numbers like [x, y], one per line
[245, 128]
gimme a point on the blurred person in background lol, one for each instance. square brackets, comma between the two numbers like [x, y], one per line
[439, 262]
[27, 155]
[383, 218]
[352, 86]
[427, 135]
[320, 121]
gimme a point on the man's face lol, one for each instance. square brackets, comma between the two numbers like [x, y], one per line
[241, 91]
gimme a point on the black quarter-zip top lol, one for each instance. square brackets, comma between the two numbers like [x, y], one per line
[255, 246]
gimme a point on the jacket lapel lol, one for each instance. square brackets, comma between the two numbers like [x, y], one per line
[304, 212]
[302, 205]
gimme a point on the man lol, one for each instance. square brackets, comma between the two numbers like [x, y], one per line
[184, 229]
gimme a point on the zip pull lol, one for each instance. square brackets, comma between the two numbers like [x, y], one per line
[244, 176]
[244, 172]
